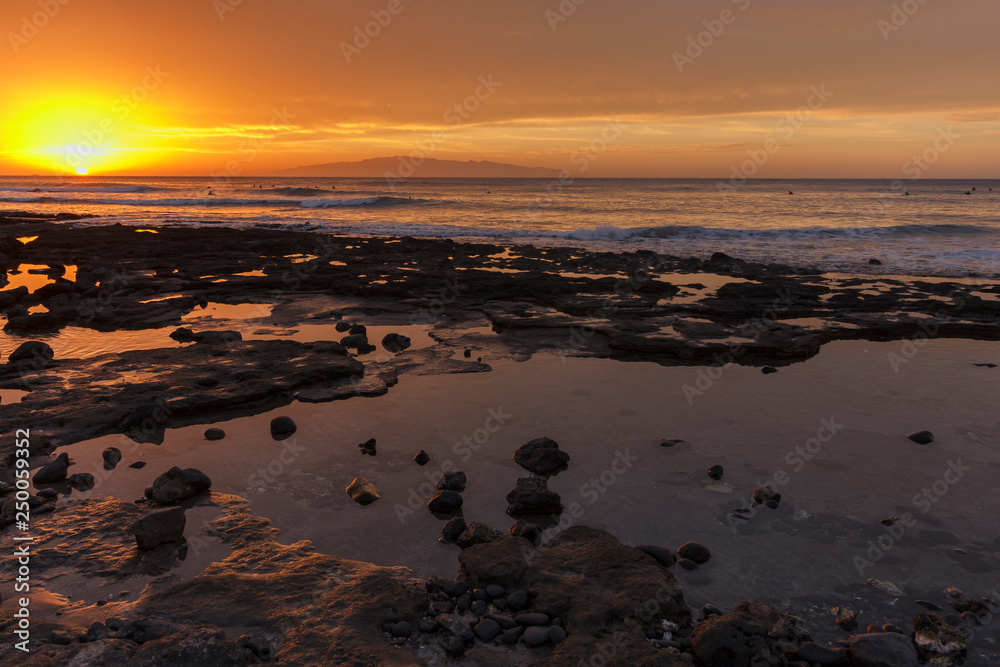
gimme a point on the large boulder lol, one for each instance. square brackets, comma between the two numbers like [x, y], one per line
[176, 485]
[32, 351]
[159, 528]
[883, 649]
[752, 631]
[531, 496]
[542, 457]
[445, 502]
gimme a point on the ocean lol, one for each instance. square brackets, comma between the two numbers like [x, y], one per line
[833, 225]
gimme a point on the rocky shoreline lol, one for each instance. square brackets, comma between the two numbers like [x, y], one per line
[579, 598]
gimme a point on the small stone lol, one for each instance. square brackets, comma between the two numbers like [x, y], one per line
[886, 587]
[159, 528]
[467, 354]
[422, 458]
[928, 605]
[845, 618]
[479, 608]
[214, 434]
[454, 588]
[358, 330]
[453, 645]
[112, 457]
[527, 530]
[487, 629]
[362, 491]
[518, 600]
[395, 342]
[762, 494]
[445, 502]
[282, 428]
[54, 472]
[401, 629]
[715, 472]
[767, 370]
[452, 481]
[542, 457]
[687, 564]
[694, 551]
[342, 326]
[511, 636]
[921, 437]
[771, 504]
[556, 634]
[456, 626]
[495, 591]
[177, 485]
[427, 625]
[368, 447]
[534, 618]
[709, 610]
[137, 464]
[671, 442]
[536, 635]
[453, 529]
[81, 481]
[531, 495]
[478, 533]
[875, 262]
[663, 556]
[814, 653]
[889, 627]
[938, 641]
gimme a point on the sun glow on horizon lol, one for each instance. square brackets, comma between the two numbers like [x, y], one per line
[83, 171]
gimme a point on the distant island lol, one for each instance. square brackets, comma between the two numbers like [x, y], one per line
[406, 167]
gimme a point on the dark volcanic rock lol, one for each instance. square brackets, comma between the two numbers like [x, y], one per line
[445, 502]
[422, 458]
[159, 528]
[813, 653]
[368, 447]
[81, 481]
[608, 581]
[752, 632]
[478, 533]
[883, 649]
[662, 555]
[921, 437]
[671, 442]
[32, 351]
[282, 428]
[112, 457]
[530, 496]
[765, 494]
[362, 491]
[938, 641]
[542, 457]
[452, 481]
[215, 434]
[54, 472]
[767, 370]
[715, 472]
[395, 342]
[453, 528]
[487, 629]
[694, 551]
[527, 530]
[176, 485]
[536, 635]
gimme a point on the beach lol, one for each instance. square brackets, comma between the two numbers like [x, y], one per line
[647, 368]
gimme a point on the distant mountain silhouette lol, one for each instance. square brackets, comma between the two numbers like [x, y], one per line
[404, 167]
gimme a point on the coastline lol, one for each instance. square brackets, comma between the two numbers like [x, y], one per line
[561, 307]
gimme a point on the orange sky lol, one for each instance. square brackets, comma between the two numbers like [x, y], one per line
[122, 87]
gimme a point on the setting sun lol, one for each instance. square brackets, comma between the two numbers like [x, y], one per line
[82, 171]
